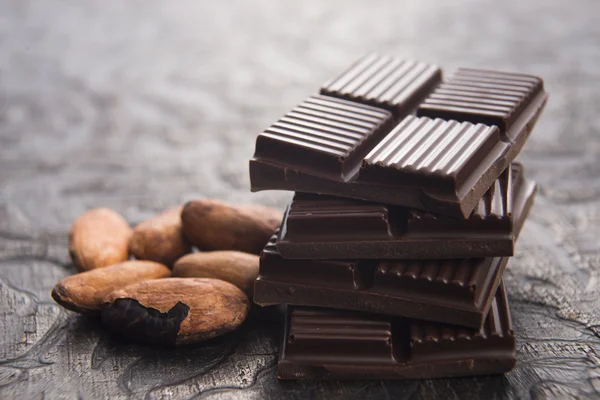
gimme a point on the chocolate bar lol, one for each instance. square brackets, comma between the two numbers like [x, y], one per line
[389, 132]
[324, 227]
[336, 344]
[386, 82]
[455, 291]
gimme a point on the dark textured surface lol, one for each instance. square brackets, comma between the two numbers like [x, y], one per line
[140, 105]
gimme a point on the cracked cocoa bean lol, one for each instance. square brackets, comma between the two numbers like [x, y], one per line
[175, 311]
[85, 292]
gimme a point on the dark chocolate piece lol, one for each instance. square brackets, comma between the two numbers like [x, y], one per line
[454, 291]
[324, 227]
[323, 131]
[440, 165]
[486, 97]
[387, 82]
[336, 344]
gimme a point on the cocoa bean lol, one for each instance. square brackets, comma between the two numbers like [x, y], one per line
[235, 267]
[99, 238]
[175, 311]
[215, 225]
[85, 292]
[160, 238]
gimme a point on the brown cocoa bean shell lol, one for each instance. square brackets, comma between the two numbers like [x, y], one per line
[160, 238]
[175, 311]
[215, 225]
[85, 292]
[235, 267]
[99, 238]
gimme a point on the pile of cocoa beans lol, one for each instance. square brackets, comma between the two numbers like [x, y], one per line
[180, 277]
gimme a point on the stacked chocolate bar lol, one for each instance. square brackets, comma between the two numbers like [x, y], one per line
[407, 208]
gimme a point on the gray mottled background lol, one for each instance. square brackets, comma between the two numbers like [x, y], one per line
[140, 105]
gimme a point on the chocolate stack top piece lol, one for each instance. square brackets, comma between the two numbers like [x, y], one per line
[391, 131]
[336, 344]
[326, 132]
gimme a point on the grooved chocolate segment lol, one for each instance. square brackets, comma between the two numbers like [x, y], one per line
[370, 336]
[431, 152]
[466, 132]
[325, 227]
[455, 291]
[324, 131]
[488, 97]
[387, 82]
[497, 203]
[337, 344]
[428, 339]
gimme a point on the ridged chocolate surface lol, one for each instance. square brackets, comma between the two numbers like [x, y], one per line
[461, 278]
[326, 227]
[433, 147]
[429, 338]
[457, 291]
[453, 277]
[462, 273]
[495, 203]
[489, 97]
[310, 328]
[337, 344]
[323, 130]
[465, 133]
[387, 82]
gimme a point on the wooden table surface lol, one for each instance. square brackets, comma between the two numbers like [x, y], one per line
[141, 105]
